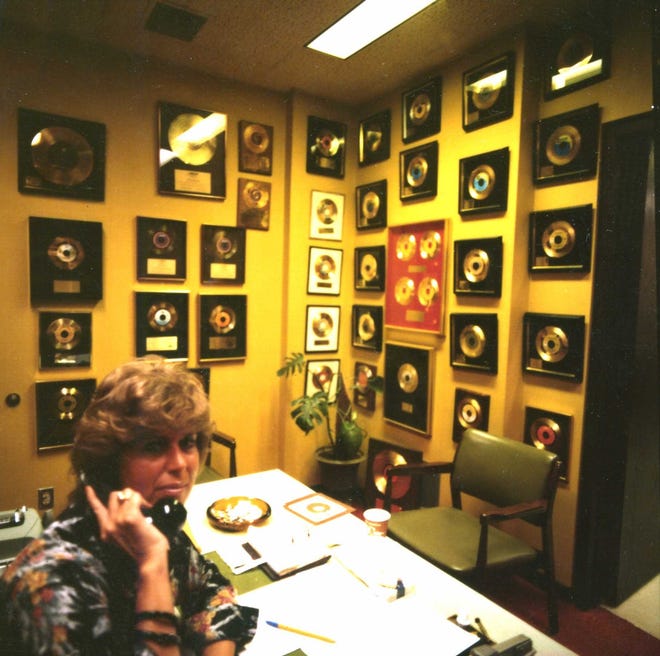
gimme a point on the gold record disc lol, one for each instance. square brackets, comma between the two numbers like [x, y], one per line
[558, 239]
[62, 156]
[408, 378]
[420, 108]
[382, 462]
[472, 341]
[404, 290]
[369, 267]
[162, 241]
[322, 324]
[476, 264]
[225, 246]
[67, 403]
[255, 138]
[417, 170]
[370, 205]
[481, 182]
[322, 377]
[563, 145]
[64, 333]
[324, 267]
[576, 51]
[255, 196]
[373, 140]
[366, 327]
[189, 150]
[469, 413]
[222, 319]
[544, 432]
[551, 344]
[428, 291]
[485, 95]
[66, 253]
[326, 211]
[327, 143]
[162, 316]
[430, 244]
[406, 247]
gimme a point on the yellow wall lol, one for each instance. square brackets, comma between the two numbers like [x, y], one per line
[248, 400]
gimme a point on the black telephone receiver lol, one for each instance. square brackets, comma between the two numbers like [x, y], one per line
[168, 515]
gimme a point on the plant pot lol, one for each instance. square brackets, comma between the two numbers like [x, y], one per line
[339, 478]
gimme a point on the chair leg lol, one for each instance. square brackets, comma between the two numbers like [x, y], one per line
[549, 567]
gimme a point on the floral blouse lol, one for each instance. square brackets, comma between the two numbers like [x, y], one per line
[70, 593]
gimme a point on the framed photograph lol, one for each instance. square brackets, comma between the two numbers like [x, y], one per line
[577, 57]
[326, 219]
[553, 345]
[416, 276]
[322, 329]
[222, 327]
[223, 254]
[59, 405]
[478, 267]
[488, 92]
[66, 260]
[421, 109]
[65, 339]
[549, 430]
[560, 240]
[418, 172]
[371, 205]
[484, 183]
[367, 324]
[324, 271]
[255, 148]
[370, 268]
[161, 324]
[253, 207]
[60, 156]
[364, 396]
[326, 142]
[473, 340]
[470, 411]
[408, 386]
[161, 249]
[322, 376]
[191, 151]
[566, 146]
[374, 138]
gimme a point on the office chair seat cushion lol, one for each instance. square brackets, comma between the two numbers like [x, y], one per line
[449, 538]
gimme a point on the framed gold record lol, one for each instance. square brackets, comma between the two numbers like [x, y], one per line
[367, 327]
[553, 345]
[60, 156]
[59, 405]
[370, 268]
[161, 324]
[322, 376]
[365, 378]
[65, 339]
[161, 249]
[478, 267]
[223, 254]
[566, 146]
[550, 431]
[322, 328]
[326, 142]
[191, 151]
[418, 172]
[253, 207]
[488, 92]
[371, 205]
[222, 327]
[421, 110]
[471, 410]
[255, 147]
[374, 138]
[473, 341]
[326, 219]
[484, 183]
[324, 270]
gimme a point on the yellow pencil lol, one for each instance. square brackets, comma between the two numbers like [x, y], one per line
[284, 627]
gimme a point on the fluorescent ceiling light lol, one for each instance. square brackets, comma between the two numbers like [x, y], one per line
[364, 24]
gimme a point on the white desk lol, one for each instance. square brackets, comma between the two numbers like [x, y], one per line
[329, 601]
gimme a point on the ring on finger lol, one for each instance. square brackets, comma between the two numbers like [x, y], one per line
[124, 496]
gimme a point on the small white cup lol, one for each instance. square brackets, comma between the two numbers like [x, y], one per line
[376, 519]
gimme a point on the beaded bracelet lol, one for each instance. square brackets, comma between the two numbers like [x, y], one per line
[158, 616]
[163, 639]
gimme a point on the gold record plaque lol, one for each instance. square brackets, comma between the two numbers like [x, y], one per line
[161, 252]
[421, 111]
[484, 183]
[371, 205]
[60, 156]
[191, 152]
[223, 327]
[368, 327]
[418, 172]
[253, 204]
[161, 324]
[66, 260]
[325, 147]
[322, 329]
[223, 254]
[478, 267]
[65, 339]
[322, 376]
[549, 430]
[473, 340]
[324, 271]
[255, 148]
[364, 394]
[326, 215]
[470, 411]
[374, 139]
[370, 268]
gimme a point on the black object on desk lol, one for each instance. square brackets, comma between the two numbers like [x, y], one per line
[519, 645]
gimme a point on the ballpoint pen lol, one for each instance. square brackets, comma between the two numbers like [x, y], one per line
[292, 629]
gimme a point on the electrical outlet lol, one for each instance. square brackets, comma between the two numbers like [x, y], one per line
[46, 498]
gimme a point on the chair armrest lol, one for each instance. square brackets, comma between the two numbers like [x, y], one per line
[517, 511]
[230, 443]
[412, 469]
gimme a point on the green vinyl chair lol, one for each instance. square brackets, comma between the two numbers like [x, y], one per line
[208, 472]
[516, 480]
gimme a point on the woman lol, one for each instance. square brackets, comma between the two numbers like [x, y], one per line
[103, 579]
